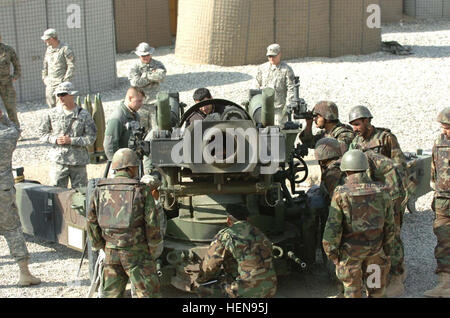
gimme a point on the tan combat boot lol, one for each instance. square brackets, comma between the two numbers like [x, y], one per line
[26, 279]
[442, 288]
[395, 287]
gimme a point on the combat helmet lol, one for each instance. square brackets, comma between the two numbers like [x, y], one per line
[327, 148]
[123, 158]
[444, 116]
[327, 110]
[358, 112]
[354, 160]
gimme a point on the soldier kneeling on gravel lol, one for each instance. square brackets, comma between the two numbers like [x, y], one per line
[10, 226]
[440, 179]
[246, 255]
[123, 220]
[360, 229]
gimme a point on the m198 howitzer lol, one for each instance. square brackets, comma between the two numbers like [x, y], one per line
[138, 142]
[298, 107]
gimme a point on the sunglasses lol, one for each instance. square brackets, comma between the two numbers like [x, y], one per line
[62, 94]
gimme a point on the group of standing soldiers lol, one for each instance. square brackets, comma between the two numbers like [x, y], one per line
[365, 180]
[363, 168]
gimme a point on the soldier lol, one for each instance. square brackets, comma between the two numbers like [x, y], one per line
[246, 255]
[328, 153]
[123, 121]
[279, 76]
[59, 65]
[360, 229]
[382, 141]
[10, 226]
[440, 182]
[147, 74]
[8, 57]
[70, 129]
[383, 169]
[123, 221]
[326, 117]
[200, 95]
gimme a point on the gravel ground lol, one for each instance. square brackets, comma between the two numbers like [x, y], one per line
[404, 93]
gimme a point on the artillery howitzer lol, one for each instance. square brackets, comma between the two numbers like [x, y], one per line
[241, 157]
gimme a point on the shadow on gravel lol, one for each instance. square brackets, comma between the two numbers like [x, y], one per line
[437, 52]
[188, 81]
[422, 25]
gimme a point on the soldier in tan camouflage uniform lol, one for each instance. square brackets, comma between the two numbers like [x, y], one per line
[8, 57]
[59, 65]
[147, 74]
[10, 226]
[384, 142]
[440, 182]
[326, 118]
[278, 75]
[123, 220]
[246, 256]
[360, 229]
[69, 129]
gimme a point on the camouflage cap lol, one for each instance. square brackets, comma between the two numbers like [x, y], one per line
[358, 112]
[144, 49]
[65, 87]
[273, 50]
[50, 33]
[327, 148]
[123, 158]
[354, 160]
[327, 110]
[444, 116]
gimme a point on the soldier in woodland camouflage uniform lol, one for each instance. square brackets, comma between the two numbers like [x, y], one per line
[326, 117]
[383, 169]
[279, 76]
[360, 229]
[123, 221]
[382, 141]
[10, 226]
[59, 65]
[440, 182]
[246, 256]
[328, 153]
[146, 75]
[7, 92]
[69, 129]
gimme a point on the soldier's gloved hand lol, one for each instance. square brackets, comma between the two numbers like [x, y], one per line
[101, 254]
[152, 181]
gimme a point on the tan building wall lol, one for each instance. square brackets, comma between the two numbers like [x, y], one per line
[139, 21]
[236, 32]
